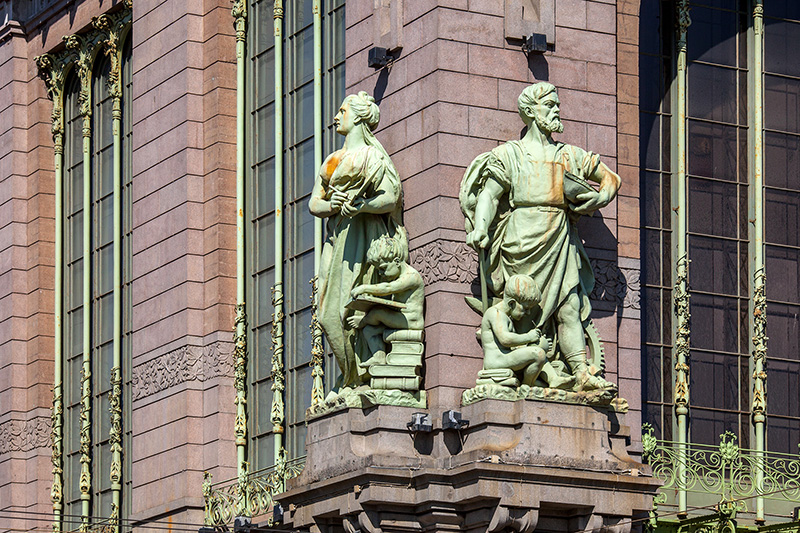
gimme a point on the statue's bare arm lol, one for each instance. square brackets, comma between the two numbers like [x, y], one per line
[485, 210]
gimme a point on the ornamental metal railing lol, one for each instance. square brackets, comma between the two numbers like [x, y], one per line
[250, 494]
[736, 475]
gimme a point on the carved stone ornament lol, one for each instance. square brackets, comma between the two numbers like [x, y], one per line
[365, 270]
[445, 261]
[521, 202]
[187, 363]
[25, 435]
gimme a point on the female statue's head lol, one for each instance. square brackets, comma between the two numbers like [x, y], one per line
[361, 109]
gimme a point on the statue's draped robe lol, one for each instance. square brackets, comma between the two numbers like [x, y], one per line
[532, 233]
[361, 173]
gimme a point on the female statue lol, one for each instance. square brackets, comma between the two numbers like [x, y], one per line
[358, 191]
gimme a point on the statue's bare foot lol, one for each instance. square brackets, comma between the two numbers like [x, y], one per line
[355, 321]
[584, 381]
[561, 382]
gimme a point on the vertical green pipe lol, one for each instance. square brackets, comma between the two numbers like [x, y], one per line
[681, 289]
[317, 122]
[240, 15]
[58, 295]
[277, 415]
[317, 351]
[86, 387]
[757, 218]
[116, 376]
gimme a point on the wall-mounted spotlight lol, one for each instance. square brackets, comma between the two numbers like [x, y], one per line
[536, 43]
[379, 57]
[420, 422]
[241, 524]
[453, 420]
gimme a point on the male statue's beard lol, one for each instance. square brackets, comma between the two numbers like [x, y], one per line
[552, 126]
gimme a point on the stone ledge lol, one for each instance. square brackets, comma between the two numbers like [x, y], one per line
[516, 461]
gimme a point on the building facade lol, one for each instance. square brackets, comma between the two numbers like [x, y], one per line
[158, 260]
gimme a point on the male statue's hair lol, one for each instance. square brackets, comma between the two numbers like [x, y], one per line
[384, 248]
[523, 290]
[530, 96]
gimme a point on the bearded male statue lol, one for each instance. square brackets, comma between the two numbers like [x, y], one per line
[521, 202]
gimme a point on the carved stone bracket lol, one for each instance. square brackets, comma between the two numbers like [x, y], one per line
[188, 363]
[445, 261]
[363, 522]
[615, 284]
[25, 435]
[522, 520]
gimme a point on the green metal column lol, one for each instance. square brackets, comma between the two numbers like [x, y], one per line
[52, 69]
[84, 48]
[681, 296]
[317, 351]
[278, 378]
[239, 13]
[759, 303]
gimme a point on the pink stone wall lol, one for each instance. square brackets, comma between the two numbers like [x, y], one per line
[450, 96]
[183, 246]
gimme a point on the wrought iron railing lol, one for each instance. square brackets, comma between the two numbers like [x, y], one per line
[735, 474]
[250, 495]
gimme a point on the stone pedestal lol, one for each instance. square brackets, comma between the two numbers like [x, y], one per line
[519, 466]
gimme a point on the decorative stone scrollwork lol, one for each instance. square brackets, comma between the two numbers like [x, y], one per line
[25, 435]
[517, 519]
[445, 261]
[615, 284]
[188, 363]
[363, 522]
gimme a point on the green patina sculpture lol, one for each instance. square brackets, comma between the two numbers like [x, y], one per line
[522, 201]
[369, 297]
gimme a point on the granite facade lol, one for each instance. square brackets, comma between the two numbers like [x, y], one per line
[450, 95]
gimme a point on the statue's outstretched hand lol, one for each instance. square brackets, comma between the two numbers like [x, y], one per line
[478, 238]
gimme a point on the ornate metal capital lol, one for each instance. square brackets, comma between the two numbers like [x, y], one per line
[111, 28]
[239, 13]
[83, 46]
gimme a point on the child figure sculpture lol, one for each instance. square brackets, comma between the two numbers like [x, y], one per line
[505, 349]
[403, 284]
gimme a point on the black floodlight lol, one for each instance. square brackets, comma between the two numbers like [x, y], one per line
[242, 523]
[378, 57]
[420, 422]
[452, 420]
[536, 43]
[277, 513]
